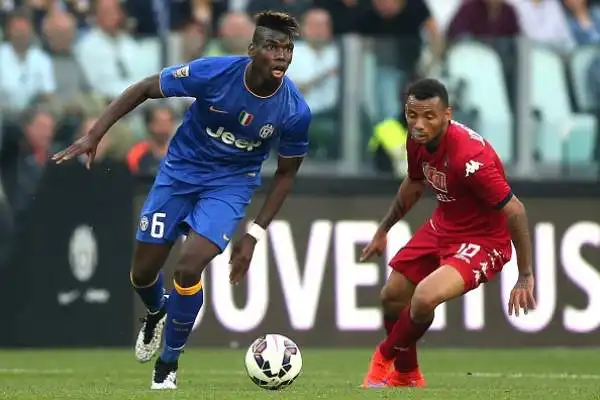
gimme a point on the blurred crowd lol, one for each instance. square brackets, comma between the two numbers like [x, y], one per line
[62, 61]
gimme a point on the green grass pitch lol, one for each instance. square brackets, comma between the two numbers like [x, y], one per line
[328, 374]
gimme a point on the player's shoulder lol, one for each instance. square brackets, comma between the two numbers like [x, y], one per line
[464, 142]
[296, 104]
[216, 65]
[469, 150]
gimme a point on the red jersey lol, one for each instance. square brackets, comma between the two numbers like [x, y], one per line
[469, 182]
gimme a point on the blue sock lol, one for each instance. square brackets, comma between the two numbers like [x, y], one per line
[152, 295]
[183, 307]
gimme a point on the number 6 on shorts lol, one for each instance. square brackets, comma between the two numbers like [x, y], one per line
[157, 227]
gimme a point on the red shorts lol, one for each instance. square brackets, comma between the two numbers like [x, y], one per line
[476, 263]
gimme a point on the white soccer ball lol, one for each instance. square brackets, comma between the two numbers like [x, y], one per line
[273, 362]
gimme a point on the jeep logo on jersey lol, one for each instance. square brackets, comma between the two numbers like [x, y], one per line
[230, 139]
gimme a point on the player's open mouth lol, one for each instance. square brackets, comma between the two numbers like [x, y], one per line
[419, 137]
[278, 72]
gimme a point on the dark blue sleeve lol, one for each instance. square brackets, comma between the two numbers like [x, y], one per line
[186, 80]
[294, 137]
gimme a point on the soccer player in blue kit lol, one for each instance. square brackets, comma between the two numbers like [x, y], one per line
[243, 104]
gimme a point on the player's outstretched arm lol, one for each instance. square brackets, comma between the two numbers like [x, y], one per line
[409, 193]
[518, 225]
[148, 88]
[293, 146]
[287, 169]
[483, 175]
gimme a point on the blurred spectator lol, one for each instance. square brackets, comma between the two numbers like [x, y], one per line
[59, 30]
[294, 7]
[38, 9]
[24, 165]
[345, 14]
[145, 157]
[315, 70]
[388, 146]
[316, 63]
[109, 56]
[495, 22]
[235, 34]
[79, 9]
[144, 14]
[26, 72]
[7, 8]
[484, 18]
[193, 41]
[544, 21]
[396, 26]
[584, 22]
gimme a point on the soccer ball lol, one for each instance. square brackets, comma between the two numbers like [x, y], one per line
[273, 362]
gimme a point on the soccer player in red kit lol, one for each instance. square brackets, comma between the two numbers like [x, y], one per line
[466, 242]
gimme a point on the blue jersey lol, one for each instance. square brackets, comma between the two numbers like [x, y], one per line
[228, 131]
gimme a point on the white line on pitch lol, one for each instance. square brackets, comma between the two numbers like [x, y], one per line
[34, 371]
[514, 375]
[518, 375]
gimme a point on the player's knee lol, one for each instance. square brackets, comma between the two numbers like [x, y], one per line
[142, 277]
[424, 300]
[392, 301]
[186, 275]
[188, 271]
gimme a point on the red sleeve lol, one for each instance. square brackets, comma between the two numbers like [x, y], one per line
[415, 172]
[484, 177]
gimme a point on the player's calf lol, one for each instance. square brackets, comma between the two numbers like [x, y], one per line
[150, 334]
[442, 285]
[395, 295]
[148, 282]
[184, 305]
[415, 319]
[187, 297]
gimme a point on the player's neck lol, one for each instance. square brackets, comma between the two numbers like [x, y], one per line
[258, 85]
[435, 143]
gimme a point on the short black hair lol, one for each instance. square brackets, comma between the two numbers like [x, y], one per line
[278, 21]
[428, 88]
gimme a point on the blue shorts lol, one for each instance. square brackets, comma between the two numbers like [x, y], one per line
[174, 207]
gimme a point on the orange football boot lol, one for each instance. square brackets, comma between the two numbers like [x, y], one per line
[412, 378]
[379, 370]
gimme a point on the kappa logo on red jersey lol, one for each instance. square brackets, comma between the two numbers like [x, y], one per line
[436, 179]
[471, 167]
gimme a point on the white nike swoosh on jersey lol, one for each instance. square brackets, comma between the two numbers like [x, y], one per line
[213, 109]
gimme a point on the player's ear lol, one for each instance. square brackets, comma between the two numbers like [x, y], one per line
[449, 113]
[251, 49]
